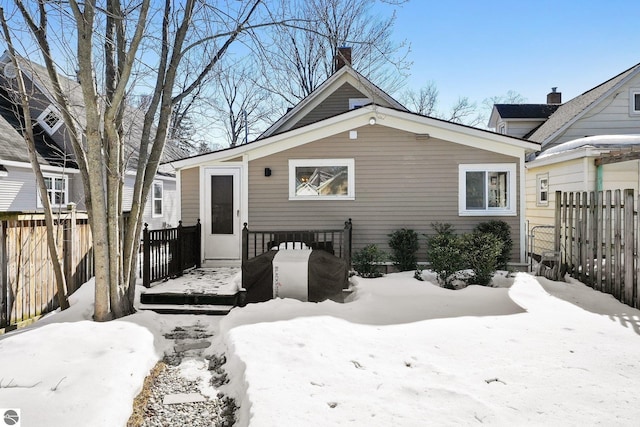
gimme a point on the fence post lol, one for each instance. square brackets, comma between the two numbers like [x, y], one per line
[69, 249]
[628, 247]
[179, 244]
[146, 257]
[4, 282]
[245, 252]
[198, 244]
[348, 227]
[617, 245]
[599, 242]
[558, 224]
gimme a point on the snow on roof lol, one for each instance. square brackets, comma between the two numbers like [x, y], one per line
[598, 141]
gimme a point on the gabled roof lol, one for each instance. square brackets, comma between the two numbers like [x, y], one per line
[346, 74]
[133, 118]
[12, 145]
[521, 111]
[423, 126]
[572, 110]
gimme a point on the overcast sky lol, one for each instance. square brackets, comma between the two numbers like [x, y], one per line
[484, 48]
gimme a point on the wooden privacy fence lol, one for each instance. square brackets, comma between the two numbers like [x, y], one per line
[596, 237]
[27, 281]
[168, 252]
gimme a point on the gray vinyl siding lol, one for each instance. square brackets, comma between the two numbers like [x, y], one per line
[399, 182]
[190, 189]
[336, 103]
[169, 216]
[18, 190]
[521, 128]
[610, 117]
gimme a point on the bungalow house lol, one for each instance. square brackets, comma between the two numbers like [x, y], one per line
[18, 189]
[349, 150]
[589, 143]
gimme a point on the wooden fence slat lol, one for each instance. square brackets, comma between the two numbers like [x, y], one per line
[27, 282]
[628, 248]
[617, 245]
[599, 237]
[608, 241]
[601, 232]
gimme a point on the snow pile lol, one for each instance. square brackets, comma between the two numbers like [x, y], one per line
[402, 352]
[406, 352]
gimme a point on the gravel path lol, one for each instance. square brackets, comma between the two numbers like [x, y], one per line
[168, 382]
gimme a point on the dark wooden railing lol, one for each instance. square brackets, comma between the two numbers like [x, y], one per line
[169, 252]
[336, 242]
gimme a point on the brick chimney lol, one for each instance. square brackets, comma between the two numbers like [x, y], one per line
[554, 97]
[343, 57]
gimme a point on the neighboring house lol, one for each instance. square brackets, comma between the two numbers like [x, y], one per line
[520, 120]
[18, 190]
[588, 144]
[349, 150]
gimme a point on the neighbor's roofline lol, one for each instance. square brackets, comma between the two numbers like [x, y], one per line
[592, 105]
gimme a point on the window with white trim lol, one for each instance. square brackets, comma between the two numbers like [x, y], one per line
[57, 191]
[358, 102]
[634, 101]
[487, 189]
[157, 199]
[322, 179]
[542, 189]
[50, 120]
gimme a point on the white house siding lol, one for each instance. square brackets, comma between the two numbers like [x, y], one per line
[620, 176]
[519, 128]
[610, 117]
[169, 201]
[18, 190]
[572, 175]
[399, 182]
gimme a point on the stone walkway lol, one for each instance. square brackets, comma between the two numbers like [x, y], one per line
[169, 398]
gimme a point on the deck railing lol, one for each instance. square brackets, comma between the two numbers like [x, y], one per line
[169, 252]
[336, 242]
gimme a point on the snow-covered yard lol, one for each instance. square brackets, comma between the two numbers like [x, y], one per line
[403, 352]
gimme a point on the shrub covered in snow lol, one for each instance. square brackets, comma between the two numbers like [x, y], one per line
[481, 254]
[502, 231]
[367, 261]
[404, 245]
[445, 253]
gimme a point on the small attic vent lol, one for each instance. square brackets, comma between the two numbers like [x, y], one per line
[50, 120]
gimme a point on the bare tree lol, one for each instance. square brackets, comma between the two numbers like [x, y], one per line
[29, 138]
[302, 56]
[511, 97]
[465, 112]
[423, 101]
[245, 106]
[125, 40]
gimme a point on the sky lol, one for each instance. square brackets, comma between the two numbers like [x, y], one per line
[481, 49]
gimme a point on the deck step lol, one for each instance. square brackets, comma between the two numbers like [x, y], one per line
[215, 310]
[189, 299]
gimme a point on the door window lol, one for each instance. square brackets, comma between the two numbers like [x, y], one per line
[222, 209]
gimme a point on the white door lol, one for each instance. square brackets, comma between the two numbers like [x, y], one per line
[222, 230]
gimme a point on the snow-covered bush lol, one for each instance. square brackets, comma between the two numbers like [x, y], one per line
[367, 261]
[481, 254]
[445, 253]
[404, 245]
[502, 231]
